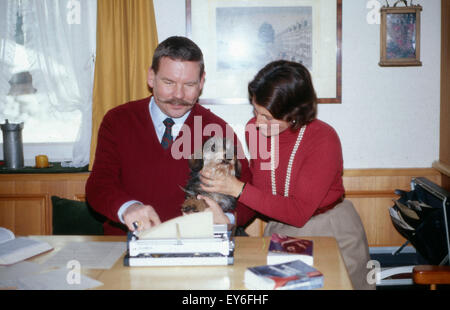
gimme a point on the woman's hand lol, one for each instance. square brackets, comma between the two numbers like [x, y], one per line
[224, 184]
[218, 216]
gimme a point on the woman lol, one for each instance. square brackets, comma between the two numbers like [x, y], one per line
[299, 186]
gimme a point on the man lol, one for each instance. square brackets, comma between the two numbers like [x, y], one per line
[137, 176]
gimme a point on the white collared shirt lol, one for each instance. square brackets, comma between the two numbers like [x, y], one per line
[158, 117]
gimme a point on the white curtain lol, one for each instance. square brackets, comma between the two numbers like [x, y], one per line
[7, 45]
[60, 40]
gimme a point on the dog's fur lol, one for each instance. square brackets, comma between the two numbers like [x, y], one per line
[219, 158]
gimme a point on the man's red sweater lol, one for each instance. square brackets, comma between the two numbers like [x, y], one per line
[130, 163]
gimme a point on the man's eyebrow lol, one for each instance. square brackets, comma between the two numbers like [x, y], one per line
[192, 82]
[188, 82]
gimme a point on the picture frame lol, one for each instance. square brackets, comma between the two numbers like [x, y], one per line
[239, 37]
[400, 36]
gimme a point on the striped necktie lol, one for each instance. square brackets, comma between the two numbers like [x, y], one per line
[167, 138]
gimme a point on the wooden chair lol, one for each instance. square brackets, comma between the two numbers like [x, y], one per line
[431, 275]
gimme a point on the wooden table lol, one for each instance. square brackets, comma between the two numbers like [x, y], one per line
[249, 251]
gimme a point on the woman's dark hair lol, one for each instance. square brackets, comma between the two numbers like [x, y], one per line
[178, 48]
[286, 90]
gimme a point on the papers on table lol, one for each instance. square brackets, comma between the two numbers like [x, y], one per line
[9, 275]
[57, 280]
[90, 255]
[62, 271]
[31, 276]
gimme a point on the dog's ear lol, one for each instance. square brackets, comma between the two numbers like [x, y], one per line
[237, 168]
[195, 163]
[237, 162]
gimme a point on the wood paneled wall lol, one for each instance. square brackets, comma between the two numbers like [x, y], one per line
[25, 199]
[26, 214]
[25, 205]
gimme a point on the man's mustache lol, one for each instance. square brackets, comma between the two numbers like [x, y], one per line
[178, 102]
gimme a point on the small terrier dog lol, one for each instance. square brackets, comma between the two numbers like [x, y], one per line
[219, 157]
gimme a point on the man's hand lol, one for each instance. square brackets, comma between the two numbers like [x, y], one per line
[144, 215]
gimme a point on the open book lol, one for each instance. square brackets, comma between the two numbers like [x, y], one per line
[13, 250]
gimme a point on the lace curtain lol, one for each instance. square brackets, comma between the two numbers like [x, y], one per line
[60, 40]
[7, 43]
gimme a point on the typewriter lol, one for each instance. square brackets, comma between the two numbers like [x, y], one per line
[217, 249]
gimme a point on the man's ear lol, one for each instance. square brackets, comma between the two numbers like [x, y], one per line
[202, 80]
[151, 78]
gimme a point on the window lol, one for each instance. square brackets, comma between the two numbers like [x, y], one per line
[47, 55]
[43, 122]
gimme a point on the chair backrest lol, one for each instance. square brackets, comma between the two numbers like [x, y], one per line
[71, 217]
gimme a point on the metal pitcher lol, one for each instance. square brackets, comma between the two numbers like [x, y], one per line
[12, 145]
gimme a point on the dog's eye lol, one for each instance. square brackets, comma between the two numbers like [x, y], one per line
[226, 161]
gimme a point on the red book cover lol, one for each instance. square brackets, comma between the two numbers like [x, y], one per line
[285, 248]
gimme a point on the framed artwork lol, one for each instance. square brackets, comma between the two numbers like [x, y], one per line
[239, 37]
[400, 36]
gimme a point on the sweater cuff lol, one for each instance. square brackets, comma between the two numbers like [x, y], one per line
[124, 207]
[246, 195]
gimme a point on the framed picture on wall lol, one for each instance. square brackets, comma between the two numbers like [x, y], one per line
[239, 37]
[400, 36]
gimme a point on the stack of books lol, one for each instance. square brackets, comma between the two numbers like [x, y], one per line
[289, 266]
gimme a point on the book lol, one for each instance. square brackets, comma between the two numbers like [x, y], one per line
[295, 275]
[283, 249]
[13, 250]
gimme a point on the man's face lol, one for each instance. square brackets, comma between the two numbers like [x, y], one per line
[176, 86]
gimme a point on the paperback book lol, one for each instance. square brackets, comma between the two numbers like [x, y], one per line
[295, 275]
[283, 249]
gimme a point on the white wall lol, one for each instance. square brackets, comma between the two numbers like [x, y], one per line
[389, 117]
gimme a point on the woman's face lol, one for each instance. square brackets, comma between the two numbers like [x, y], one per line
[266, 123]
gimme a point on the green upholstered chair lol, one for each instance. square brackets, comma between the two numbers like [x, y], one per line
[71, 217]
